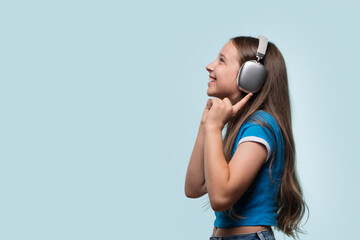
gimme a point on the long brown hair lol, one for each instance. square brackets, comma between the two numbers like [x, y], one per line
[273, 98]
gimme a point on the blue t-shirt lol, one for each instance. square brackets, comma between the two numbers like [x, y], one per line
[259, 207]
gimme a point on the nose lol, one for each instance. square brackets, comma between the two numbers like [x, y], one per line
[210, 67]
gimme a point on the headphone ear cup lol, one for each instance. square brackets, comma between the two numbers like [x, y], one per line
[251, 76]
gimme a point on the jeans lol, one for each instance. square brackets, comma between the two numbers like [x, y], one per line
[262, 235]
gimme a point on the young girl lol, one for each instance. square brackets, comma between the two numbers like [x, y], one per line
[250, 175]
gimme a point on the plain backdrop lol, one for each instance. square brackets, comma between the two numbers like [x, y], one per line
[101, 101]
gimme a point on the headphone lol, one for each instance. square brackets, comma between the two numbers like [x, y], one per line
[252, 73]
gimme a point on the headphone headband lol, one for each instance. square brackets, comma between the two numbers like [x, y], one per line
[263, 42]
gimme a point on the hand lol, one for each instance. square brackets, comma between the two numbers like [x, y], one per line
[221, 111]
[206, 110]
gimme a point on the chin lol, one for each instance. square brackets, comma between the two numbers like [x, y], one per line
[211, 95]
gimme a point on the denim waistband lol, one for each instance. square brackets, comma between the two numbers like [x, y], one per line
[262, 235]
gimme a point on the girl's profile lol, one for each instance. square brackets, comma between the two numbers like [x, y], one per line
[249, 173]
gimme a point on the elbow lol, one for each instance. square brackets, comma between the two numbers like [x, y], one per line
[188, 190]
[219, 204]
[192, 194]
[189, 193]
[219, 207]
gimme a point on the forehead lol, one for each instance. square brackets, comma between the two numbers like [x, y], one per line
[230, 51]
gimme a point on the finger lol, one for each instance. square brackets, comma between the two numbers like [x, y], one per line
[208, 104]
[227, 102]
[215, 101]
[241, 103]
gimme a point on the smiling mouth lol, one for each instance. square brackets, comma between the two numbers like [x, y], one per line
[209, 83]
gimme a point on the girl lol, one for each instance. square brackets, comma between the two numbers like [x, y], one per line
[250, 175]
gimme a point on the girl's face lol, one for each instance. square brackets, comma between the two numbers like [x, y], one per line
[223, 72]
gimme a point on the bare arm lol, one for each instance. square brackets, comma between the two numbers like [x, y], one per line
[226, 183]
[195, 177]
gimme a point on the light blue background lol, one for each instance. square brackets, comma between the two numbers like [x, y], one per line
[100, 104]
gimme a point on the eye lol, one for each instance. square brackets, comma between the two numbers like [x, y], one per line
[221, 60]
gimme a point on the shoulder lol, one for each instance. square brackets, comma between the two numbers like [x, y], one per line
[259, 127]
[262, 116]
[261, 119]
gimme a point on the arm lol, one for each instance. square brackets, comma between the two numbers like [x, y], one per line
[195, 177]
[226, 183]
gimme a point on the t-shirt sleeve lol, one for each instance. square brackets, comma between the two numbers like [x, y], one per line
[256, 133]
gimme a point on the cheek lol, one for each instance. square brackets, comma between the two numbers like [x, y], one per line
[221, 73]
[228, 75]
